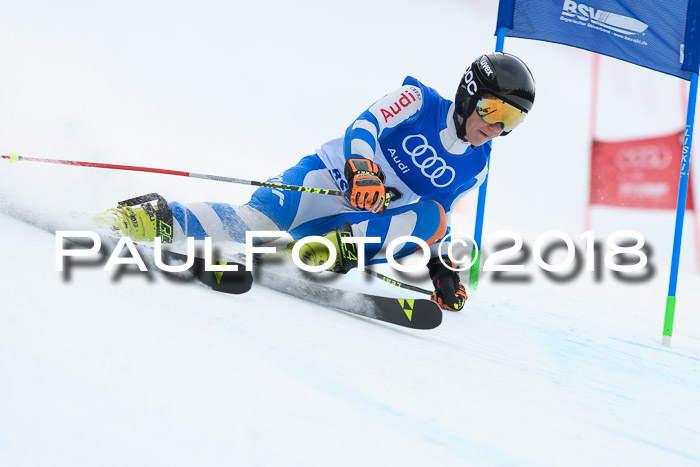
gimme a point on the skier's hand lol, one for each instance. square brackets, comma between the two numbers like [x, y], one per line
[449, 293]
[366, 185]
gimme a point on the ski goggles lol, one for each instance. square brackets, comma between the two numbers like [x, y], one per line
[495, 110]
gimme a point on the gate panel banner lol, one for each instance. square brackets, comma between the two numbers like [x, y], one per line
[641, 173]
[661, 35]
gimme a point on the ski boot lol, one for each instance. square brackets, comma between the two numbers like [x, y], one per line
[316, 253]
[142, 218]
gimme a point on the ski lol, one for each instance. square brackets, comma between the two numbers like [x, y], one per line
[406, 312]
[410, 313]
[230, 282]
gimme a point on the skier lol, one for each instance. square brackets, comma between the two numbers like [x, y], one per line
[407, 160]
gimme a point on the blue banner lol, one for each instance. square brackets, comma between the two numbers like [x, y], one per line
[661, 35]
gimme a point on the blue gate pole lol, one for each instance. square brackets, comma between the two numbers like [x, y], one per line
[481, 203]
[680, 211]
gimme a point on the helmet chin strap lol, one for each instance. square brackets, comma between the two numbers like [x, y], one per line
[461, 129]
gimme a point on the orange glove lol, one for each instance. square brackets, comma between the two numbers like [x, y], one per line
[366, 182]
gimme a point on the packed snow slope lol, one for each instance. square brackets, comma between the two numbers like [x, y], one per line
[130, 369]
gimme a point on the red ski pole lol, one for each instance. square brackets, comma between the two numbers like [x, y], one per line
[280, 186]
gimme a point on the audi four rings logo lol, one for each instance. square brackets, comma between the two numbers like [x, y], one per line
[439, 173]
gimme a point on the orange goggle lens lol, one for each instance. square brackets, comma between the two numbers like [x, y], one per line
[494, 110]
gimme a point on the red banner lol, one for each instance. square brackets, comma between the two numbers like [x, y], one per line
[642, 173]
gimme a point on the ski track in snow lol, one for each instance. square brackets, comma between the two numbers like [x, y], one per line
[247, 378]
[131, 369]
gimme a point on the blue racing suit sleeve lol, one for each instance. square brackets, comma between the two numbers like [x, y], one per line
[401, 107]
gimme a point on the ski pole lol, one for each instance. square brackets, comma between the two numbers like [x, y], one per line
[218, 178]
[397, 283]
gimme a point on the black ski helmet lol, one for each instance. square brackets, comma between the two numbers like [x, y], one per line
[503, 75]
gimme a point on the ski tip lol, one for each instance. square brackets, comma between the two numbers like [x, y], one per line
[424, 314]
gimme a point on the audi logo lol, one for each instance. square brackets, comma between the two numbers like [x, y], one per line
[439, 169]
[653, 156]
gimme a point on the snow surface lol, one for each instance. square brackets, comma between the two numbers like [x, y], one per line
[130, 369]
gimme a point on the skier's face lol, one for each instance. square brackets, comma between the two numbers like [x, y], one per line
[480, 132]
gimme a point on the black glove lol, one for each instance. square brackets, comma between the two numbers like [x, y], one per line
[449, 293]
